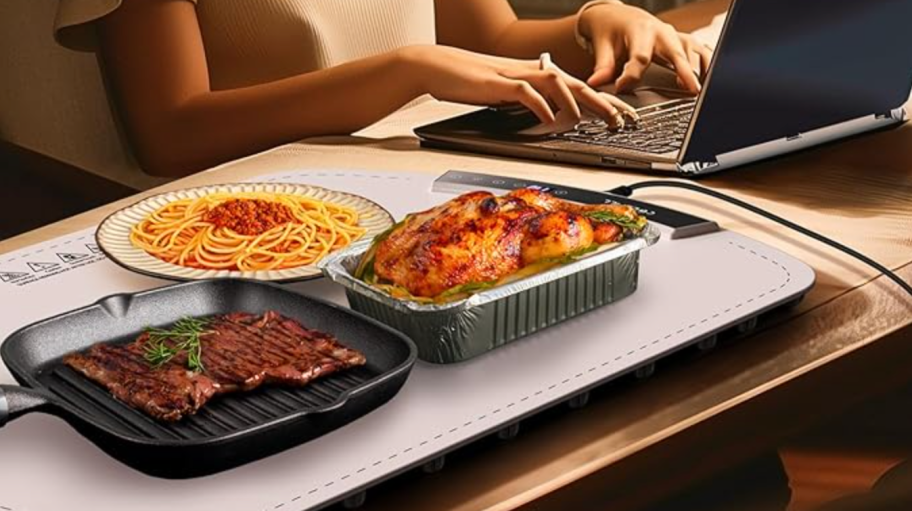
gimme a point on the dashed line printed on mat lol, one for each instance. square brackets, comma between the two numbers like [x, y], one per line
[551, 387]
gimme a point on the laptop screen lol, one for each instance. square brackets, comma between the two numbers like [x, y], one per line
[786, 67]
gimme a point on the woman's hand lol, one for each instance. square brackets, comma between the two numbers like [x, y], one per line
[451, 74]
[628, 39]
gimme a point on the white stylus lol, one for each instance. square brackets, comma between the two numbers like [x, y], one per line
[544, 61]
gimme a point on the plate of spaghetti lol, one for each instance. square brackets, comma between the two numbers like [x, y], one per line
[275, 231]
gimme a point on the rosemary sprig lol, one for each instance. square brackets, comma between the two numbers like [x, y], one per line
[468, 288]
[569, 256]
[163, 345]
[632, 222]
[365, 269]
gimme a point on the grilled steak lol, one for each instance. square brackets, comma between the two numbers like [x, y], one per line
[239, 352]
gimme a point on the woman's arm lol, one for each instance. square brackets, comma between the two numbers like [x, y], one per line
[156, 62]
[154, 56]
[155, 59]
[625, 40]
[491, 26]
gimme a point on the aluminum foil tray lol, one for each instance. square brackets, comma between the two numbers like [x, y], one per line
[459, 330]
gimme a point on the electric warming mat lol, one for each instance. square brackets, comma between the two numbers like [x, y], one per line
[693, 284]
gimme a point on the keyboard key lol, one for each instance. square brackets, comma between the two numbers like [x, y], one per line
[659, 131]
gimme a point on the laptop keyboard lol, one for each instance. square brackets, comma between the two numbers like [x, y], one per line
[661, 129]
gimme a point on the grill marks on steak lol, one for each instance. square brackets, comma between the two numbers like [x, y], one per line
[249, 351]
[167, 393]
[240, 352]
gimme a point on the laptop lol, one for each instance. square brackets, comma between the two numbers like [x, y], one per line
[787, 75]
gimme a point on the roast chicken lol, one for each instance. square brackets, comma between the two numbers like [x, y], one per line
[480, 238]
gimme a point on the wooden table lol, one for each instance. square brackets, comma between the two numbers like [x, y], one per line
[847, 340]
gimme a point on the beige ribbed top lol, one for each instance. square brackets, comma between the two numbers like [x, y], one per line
[256, 41]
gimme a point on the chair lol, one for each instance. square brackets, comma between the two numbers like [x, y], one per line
[53, 100]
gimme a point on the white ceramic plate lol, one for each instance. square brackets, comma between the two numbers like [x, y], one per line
[113, 235]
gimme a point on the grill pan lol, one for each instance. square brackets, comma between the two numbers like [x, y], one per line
[228, 431]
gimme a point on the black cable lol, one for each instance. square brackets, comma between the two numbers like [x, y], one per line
[627, 191]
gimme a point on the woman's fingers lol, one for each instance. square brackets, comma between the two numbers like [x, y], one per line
[699, 54]
[629, 113]
[694, 57]
[552, 85]
[483, 80]
[696, 62]
[706, 56]
[606, 106]
[599, 104]
[639, 56]
[605, 68]
[684, 68]
[672, 48]
[540, 90]
[612, 109]
[521, 91]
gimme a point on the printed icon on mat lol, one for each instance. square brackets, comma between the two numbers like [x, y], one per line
[93, 248]
[71, 257]
[10, 276]
[43, 266]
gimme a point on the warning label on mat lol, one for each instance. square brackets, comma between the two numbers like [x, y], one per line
[40, 264]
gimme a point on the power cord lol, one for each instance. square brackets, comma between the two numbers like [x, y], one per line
[628, 190]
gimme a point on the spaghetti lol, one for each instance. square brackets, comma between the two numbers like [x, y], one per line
[247, 231]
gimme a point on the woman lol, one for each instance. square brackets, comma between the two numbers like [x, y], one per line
[199, 82]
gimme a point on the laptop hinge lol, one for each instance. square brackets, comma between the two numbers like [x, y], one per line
[697, 167]
[897, 114]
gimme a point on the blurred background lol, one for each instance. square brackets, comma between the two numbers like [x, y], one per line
[551, 8]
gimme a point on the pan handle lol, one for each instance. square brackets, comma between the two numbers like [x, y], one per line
[16, 401]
